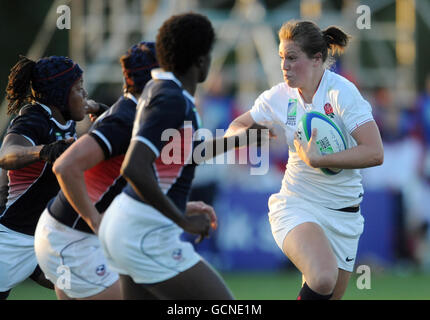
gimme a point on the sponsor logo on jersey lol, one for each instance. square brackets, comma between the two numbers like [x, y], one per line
[101, 270]
[328, 109]
[177, 254]
[292, 112]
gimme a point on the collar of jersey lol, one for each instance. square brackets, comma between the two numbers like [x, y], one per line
[318, 98]
[160, 74]
[59, 125]
[129, 96]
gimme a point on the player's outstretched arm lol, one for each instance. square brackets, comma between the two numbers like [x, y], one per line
[70, 168]
[137, 169]
[242, 132]
[240, 125]
[18, 152]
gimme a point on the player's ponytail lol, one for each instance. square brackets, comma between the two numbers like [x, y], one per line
[19, 84]
[336, 39]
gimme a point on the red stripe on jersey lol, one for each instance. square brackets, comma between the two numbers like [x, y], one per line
[175, 154]
[22, 179]
[99, 178]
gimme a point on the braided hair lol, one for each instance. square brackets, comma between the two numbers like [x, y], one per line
[18, 87]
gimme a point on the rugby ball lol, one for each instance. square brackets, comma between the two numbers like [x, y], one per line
[329, 137]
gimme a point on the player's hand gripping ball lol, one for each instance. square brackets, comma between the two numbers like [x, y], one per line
[329, 138]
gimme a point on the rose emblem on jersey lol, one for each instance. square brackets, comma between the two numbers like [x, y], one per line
[101, 270]
[177, 254]
[328, 109]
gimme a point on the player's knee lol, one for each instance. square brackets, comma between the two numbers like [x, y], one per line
[4, 295]
[324, 282]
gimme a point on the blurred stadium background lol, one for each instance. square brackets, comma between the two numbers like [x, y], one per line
[388, 61]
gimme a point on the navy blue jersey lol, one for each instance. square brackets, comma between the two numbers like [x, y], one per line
[112, 131]
[166, 110]
[28, 190]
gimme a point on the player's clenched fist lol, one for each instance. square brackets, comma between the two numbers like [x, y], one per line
[52, 151]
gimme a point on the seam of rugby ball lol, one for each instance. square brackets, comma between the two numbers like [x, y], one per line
[305, 127]
[333, 124]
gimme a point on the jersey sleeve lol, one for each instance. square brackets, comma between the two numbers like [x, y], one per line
[33, 126]
[113, 135]
[264, 110]
[353, 108]
[160, 114]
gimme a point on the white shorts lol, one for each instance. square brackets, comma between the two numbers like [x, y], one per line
[71, 259]
[141, 242]
[17, 258]
[342, 229]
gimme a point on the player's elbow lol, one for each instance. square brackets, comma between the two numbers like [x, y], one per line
[378, 158]
[62, 168]
[127, 170]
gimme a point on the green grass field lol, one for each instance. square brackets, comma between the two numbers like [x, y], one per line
[279, 286]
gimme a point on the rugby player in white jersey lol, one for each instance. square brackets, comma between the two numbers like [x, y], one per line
[316, 218]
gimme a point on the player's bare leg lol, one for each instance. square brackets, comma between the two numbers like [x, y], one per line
[111, 293]
[310, 251]
[39, 277]
[61, 295]
[4, 295]
[341, 284]
[133, 291]
[200, 282]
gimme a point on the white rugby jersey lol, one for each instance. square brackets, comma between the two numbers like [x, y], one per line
[339, 99]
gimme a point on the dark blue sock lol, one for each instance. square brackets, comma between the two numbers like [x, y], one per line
[307, 293]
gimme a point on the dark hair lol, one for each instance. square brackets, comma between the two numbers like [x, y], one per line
[50, 80]
[182, 39]
[18, 87]
[312, 40]
[137, 64]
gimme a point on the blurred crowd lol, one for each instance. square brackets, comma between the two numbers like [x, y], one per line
[405, 131]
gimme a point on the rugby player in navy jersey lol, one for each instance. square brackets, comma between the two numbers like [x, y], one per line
[89, 175]
[42, 130]
[140, 231]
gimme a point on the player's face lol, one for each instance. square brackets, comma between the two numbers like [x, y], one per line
[77, 101]
[295, 64]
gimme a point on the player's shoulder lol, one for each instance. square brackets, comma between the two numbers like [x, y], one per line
[277, 94]
[123, 108]
[344, 86]
[168, 89]
[120, 115]
[164, 94]
[35, 110]
[33, 115]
